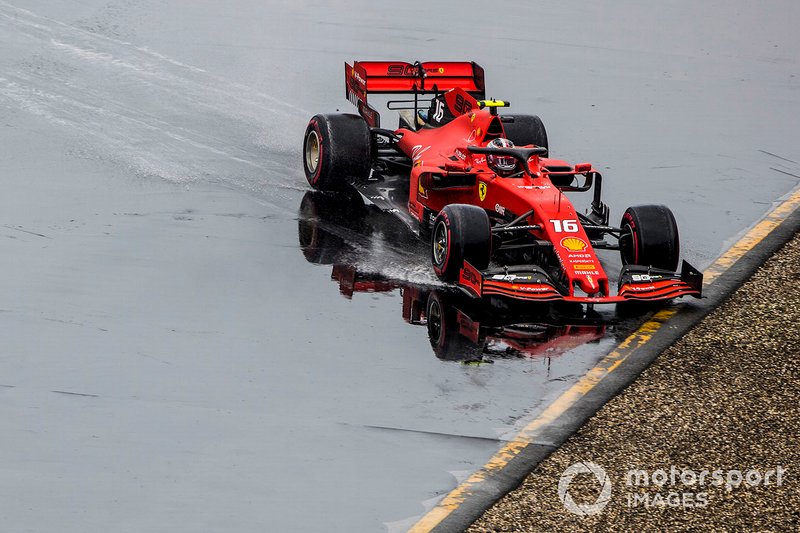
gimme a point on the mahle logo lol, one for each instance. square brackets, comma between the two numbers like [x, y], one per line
[584, 509]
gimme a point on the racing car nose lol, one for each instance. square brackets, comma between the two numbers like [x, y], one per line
[588, 285]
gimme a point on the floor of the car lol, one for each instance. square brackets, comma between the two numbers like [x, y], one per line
[390, 194]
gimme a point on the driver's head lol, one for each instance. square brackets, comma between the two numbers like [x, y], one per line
[501, 164]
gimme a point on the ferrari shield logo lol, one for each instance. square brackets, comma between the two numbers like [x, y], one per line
[481, 190]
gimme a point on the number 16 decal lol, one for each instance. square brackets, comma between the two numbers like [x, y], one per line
[565, 226]
[439, 113]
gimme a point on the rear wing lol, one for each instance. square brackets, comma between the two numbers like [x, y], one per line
[397, 77]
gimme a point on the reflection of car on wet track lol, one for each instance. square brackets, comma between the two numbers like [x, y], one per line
[459, 328]
[484, 189]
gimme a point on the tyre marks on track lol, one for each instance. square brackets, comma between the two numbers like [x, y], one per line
[147, 112]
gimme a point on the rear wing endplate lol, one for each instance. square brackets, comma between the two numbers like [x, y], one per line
[397, 77]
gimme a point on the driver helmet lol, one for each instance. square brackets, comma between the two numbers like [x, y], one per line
[502, 164]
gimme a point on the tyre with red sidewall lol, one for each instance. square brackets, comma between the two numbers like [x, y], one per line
[649, 237]
[336, 151]
[460, 233]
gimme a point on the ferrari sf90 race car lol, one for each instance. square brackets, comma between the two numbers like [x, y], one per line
[482, 187]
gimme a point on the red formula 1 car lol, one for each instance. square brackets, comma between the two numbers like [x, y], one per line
[483, 187]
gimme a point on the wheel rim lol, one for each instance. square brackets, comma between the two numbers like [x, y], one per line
[307, 231]
[627, 244]
[312, 151]
[435, 321]
[307, 223]
[440, 244]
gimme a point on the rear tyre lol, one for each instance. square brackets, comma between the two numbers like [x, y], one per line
[319, 217]
[526, 129]
[336, 151]
[460, 233]
[649, 237]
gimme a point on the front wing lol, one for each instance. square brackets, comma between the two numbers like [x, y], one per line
[532, 284]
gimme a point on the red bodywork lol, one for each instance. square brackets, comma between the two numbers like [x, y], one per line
[445, 172]
[433, 152]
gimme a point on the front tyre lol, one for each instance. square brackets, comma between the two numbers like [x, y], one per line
[336, 151]
[649, 237]
[444, 332]
[460, 233]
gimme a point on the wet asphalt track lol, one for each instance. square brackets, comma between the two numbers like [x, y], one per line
[171, 360]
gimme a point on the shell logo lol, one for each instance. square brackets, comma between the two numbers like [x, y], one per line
[574, 244]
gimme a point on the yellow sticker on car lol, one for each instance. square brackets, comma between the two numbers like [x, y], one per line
[482, 190]
[574, 244]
